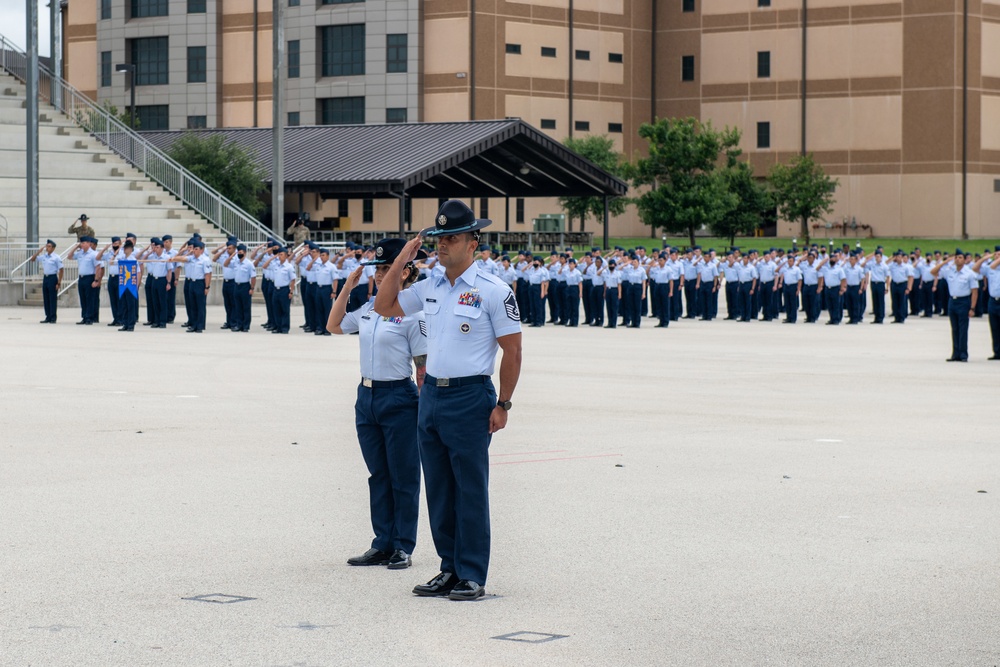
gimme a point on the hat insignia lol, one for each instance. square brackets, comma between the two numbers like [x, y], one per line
[442, 220]
[378, 251]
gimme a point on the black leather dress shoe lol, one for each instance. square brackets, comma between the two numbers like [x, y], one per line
[995, 357]
[115, 324]
[439, 586]
[466, 590]
[400, 560]
[952, 359]
[370, 557]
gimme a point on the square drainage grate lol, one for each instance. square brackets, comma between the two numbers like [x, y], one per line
[219, 598]
[530, 637]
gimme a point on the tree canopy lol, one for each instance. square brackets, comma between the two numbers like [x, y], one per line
[227, 167]
[685, 172]
[802, 191]
[600, 150]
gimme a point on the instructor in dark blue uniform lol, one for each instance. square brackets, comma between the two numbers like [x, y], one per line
[469, 314]
[386, 410]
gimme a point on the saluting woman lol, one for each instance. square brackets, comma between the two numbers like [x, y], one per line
[386, 409]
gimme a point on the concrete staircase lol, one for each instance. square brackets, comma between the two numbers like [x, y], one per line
[77, 174]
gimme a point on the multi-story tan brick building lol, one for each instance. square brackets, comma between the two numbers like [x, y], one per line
[891, 97]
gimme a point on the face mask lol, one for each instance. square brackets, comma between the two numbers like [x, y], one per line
[241, 255]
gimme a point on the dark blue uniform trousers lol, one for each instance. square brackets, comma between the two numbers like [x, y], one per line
[746, 301]
[878, 301]
[899, 308]
[309, 304]
[572, 310]
[128, 310]
[454, 437]
[993, 309]
[705, 300]
[834, 305]
[50, 296]
[810, 302]
[675, 302]
[611, 300]
[386, 419]
[523, 300]
[158, 290]
[537, 312]
[198, 302]
[662, 295]
[267, 288]
[322, 305]
[228, 302]
[172, 297]
[927, 297]
[83, 290]
[588, 286]
[691, 298]
[958, 313]
[597, 304]
[767, 300]
[790, 294]
[243, 304]
[113, 298]
[281, 306]
[732, 301]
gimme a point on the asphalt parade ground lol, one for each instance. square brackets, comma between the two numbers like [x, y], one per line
[717, 493]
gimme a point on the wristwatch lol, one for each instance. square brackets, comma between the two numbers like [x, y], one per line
[504, 404]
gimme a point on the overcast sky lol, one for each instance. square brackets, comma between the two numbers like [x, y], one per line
[12, 23]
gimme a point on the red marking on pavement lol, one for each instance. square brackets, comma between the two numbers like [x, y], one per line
[554, 451]
[563, 458]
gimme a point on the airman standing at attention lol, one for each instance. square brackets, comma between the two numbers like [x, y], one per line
[574, 293]
[789, 281]
[901, 277]
[244, 281]
[538, 285]
[835, 283]
[731, 275]
[963, 288]
[747, 274]
[284, 290]
[856, 278]
[52, 274]
[612, 292]
[325, 274]
[89, 278]
[220, 256]
[198, 282]
[706, 286]
[172, 279]
[596, 273]
[660, 275]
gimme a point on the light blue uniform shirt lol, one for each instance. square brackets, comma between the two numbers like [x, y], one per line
[243, 270]
[388, 344]
[304, 269]
[746, 272]
[708, 272]
[51, 263]
[325, 273]
[109, 257]
[765, 271]
[924, 268]
[464, 321]
[791, 274]
[993, 279]
[612, 278]
[832, 275]
[810, 276]
[878, 271]
[197, 268]
[960, 283]
[573, 277]
[593, 275]
[86, 260]
[675, 269]
[730, 273]
[228, 272]
[854, 274]
[156, 269]
[284, 273]
[900, 273]
[508, 275]
[690, 269]
[660, 274]
[538, 276]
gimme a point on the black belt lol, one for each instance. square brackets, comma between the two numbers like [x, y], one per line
[227, 280]
[195, 280]
[384, 384]
[456, 382]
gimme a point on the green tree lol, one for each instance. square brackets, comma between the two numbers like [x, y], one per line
[227, 167]
[754, 200]
[685, 174]
[600, 150]
[802, 191]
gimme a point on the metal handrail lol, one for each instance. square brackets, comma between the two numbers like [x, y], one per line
[128, 145]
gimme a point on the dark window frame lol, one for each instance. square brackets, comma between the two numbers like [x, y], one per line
[763, 64]
[615, 128]
[687, 68]
[197, 6]
[105, 68]
[764, 135]
[549, 52]
[294, 54]
[687, 6]
[582, 54]
[343, 208]
[198, 73]
[197, 122]
[367, 211]
[397, 55]
[151, 57]
[146, 113]
[513, 49]
[484, 208]
[548, 124]
[294, 119]
[141, 9]
[342, 110]
[105, 10]
[581, 125]
[616, 58]
[396, 115]
[342, 50]
[519, 210]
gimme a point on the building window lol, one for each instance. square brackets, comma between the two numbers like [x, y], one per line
[582, 55]
[196, 6]
[343, 50]
[105, 69]
[293, 3]
[153, 117]
[150, 57]
[293, 59]
[687, 68]
[343, 208]
[197, 122]
[581, 125]
[548, 52]
[395, 115]
[484, 208]
[395, 53]
[615, 128]
[763, 135]
[144, 8]
[519, 210]
[197, 65]
[514, 49]
[368, 210]
[615, 58]
[763, 64]
[105, 9]
[342, 110]
[548, 124]
[763, 3]
[688, 5]
[293, 119]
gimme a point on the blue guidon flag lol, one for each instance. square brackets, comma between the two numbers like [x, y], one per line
[128, 280]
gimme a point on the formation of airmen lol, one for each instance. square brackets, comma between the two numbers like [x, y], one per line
[611, 287]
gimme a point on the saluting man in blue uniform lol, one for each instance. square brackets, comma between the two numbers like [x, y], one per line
[989, 268]
[386, 409]
[52, 273]
[469, 314]
[964, 290]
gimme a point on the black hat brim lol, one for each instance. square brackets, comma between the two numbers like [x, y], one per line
[475, 226]
[376, 262]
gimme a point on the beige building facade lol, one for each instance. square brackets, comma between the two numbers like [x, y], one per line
[896, 102]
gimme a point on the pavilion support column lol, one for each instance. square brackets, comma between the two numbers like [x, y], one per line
[402, 215]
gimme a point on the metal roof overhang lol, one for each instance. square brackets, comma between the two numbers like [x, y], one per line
[506, 158]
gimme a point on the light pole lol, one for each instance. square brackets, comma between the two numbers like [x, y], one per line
[130, 68]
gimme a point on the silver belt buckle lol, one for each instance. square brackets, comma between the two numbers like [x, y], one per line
[366, 382]
[442, 382]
